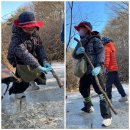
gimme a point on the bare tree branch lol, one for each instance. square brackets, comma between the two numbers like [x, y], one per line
[71, 14]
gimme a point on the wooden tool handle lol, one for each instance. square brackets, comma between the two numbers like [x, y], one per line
[57, 78]
[17, 79]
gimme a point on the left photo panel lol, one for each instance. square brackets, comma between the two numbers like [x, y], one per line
[32, 57]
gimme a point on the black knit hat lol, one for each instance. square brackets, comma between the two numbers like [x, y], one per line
[27, 19]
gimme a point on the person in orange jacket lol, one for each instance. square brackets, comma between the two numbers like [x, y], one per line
[112, 68]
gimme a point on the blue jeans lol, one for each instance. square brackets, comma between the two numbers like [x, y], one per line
[113, 78]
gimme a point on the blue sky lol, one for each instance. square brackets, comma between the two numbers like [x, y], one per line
[94, 12]
[8, 7]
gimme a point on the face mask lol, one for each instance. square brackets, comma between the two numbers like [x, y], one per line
[29, 31]
[82, 33]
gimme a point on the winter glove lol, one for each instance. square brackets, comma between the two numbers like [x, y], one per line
[80, 50]
[44, 69]
[96, 71]
[47, 65]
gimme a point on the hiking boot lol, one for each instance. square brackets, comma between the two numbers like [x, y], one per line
[90, 110]
[123, 99]
[107, 122]
[20, 95]
[88, 107]
[34, 85]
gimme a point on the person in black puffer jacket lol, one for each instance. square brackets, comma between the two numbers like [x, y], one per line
[92, 45]
[26, 48]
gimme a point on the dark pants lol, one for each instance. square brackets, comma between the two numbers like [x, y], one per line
[18, 87]
[84, 89]
[113, 78]
[22, 86]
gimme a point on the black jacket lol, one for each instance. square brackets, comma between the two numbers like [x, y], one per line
[94, 49]
[26, 49]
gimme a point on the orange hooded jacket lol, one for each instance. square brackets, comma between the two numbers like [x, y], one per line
[110, 57]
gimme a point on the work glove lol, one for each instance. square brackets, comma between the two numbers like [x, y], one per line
[44, 69]
[96, 71]
[47, 65]
[80, 50]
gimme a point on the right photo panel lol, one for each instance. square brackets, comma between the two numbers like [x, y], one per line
[97, 65]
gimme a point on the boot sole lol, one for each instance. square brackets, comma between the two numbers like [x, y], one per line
[21, 97]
